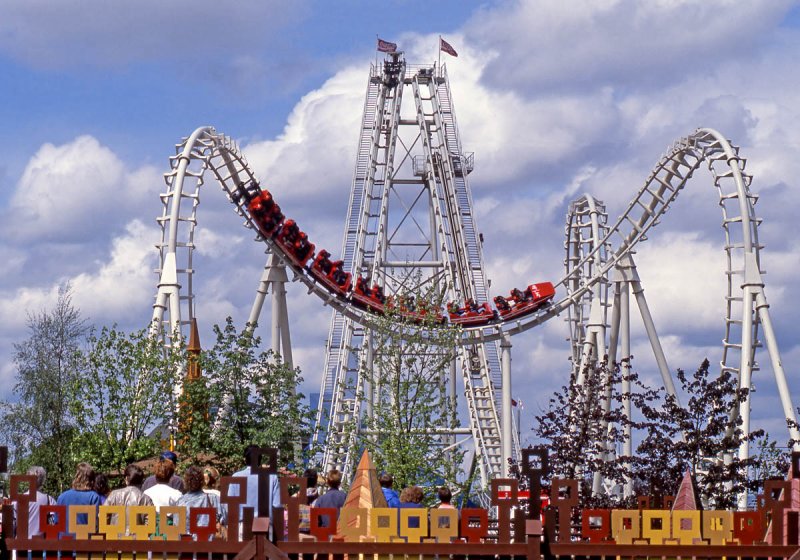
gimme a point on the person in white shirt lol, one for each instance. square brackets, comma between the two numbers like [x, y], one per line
[42, 499]
[162, 493]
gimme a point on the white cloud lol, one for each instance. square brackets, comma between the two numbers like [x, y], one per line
[69, 193]
[125, 283]
[562, 46]
[312, 161]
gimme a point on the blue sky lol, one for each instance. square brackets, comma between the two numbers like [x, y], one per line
[556, 99]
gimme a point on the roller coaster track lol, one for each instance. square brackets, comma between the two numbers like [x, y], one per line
[583, 289]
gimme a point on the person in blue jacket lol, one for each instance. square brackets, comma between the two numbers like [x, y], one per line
[392, 498]
[82, 492]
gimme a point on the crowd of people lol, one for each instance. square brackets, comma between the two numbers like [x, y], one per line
[197, 487]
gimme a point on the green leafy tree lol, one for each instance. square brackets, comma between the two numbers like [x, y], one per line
[125, 392]
[40, 426]
[244, 396]
[412, 356]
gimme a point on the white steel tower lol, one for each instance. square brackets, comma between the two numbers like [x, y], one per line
[410, 220]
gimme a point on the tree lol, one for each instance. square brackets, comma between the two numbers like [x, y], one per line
[244, 396]
[126, 390]
[703, 436]
[40, 426]
[581, 426]
[411, 360]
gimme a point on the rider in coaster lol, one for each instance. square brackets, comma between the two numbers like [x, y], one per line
[322, 262]
[338, 275]
[517, 295]
[502, 303]
[454, 309]
[289, 231]
[301, 246]
[362, 286]
[271, 221]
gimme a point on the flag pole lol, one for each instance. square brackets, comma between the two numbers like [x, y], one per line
[440, 54]
[376, 52]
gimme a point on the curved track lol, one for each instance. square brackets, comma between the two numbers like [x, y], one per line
[208, 149]
[590, 256]
[593, 255]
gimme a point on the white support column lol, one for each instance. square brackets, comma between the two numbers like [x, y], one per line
[261, 295]
[372, 395]
[507, 422]
[625, 339]
[169, 294]
[628, 268]
[762, 307]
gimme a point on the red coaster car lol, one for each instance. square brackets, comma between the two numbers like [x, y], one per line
[414, 310]
[266, 213]
[331, 273]
[471, 314]
[366, 297]
[523, 302]
[294, 243]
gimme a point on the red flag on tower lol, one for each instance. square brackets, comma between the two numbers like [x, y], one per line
[386, 46]
[447, 47]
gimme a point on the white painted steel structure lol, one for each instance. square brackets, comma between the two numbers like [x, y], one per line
[596, 251]
[599, 254]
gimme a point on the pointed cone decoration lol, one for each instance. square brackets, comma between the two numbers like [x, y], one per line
[687, 497]
[193, 350]
[365, 492]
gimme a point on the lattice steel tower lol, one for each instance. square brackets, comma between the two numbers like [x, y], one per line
[410, 217]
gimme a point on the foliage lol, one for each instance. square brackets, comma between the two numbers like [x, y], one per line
[407, 388]
[40, 426]
[126, 390]
[770, 461]
[701, 436]
[243, 397]
[581, 423]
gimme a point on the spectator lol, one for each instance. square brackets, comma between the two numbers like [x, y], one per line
[312, 490]
[101, 487]
[445, 496]
[252, 483]
[132, 494]
[82, 492]
[175, 481]
[42, 499]
[211, 481]
[195, 497]
[312, 493]
[162, 493]
[411, 497]
[392, 499]
[333, 498]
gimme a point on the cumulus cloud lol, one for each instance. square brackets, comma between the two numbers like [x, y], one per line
[561, 46]
[312, 160]
[69, 193]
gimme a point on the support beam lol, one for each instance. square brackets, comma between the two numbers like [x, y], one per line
[507, 422]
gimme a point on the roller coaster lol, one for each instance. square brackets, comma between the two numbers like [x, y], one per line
[593, 295]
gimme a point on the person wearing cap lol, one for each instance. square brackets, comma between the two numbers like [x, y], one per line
[175, 481]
